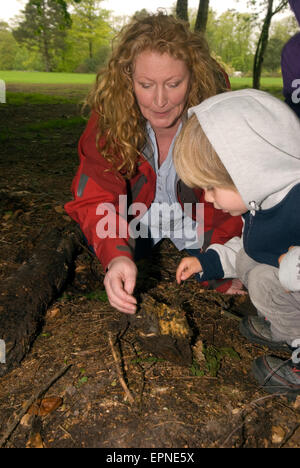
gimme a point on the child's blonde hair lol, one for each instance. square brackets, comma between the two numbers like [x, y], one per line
[196, 162]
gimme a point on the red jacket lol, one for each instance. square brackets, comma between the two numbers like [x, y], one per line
[95, 184]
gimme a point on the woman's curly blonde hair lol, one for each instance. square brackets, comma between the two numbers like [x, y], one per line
[113, 99]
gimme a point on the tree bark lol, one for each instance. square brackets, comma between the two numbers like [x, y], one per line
[202, 16]
[182, 10]
[263, 41]
[262, 46]
[27, 294]
[48, 66]
[45, 38]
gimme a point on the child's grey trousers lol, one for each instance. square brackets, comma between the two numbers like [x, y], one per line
[279, 307]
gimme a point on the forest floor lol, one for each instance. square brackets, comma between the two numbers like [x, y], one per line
[213, 403]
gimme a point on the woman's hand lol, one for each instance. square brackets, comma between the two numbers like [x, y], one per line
[187, 267]
[120, 282]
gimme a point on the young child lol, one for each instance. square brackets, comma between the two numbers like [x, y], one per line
[243, 149]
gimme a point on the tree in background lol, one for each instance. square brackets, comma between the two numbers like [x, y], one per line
[87, 42]
[202, 16]
[90, 24]
[85, 46]
[271, 8]
[280, 33]
[44, 27]
[8, 47]
[140, 14]
[230, 37]
[182, 9]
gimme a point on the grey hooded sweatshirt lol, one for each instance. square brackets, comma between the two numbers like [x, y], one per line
[257, 137]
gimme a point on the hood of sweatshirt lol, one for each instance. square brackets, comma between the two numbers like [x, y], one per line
[257, 137]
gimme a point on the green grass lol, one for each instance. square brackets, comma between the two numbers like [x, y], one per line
[85, 78]
[53, 124]
[46, 78]
[19, 99]
[247, 82]
[273, 86]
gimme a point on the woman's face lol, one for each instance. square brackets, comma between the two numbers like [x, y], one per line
[161, 85]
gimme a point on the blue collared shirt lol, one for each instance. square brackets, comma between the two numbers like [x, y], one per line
[165, 217]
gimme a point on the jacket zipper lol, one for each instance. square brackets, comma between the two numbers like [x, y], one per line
[250, 224]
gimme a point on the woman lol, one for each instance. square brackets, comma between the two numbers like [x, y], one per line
[158, 68]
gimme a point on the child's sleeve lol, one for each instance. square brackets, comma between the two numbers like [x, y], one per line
[219, 260]
[289, 270]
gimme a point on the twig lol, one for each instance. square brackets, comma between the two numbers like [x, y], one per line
[66, 432]
[10, 429]
[121, 378]
[290, 435]
[245, 412]
[231, 434]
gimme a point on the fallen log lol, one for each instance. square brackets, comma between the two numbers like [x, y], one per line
[26, 295]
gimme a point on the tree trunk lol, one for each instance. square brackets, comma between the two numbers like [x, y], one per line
[202, 16]
[262, 46]
[27, 294]
[182, 10]
[263, 40]
[45, 42]
[47, 59]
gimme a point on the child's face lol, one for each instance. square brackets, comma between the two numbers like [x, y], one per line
[226, 200]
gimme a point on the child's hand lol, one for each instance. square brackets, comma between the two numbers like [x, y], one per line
[187, 267]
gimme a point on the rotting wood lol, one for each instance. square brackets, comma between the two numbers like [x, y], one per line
[26, 295]
[163, 330]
